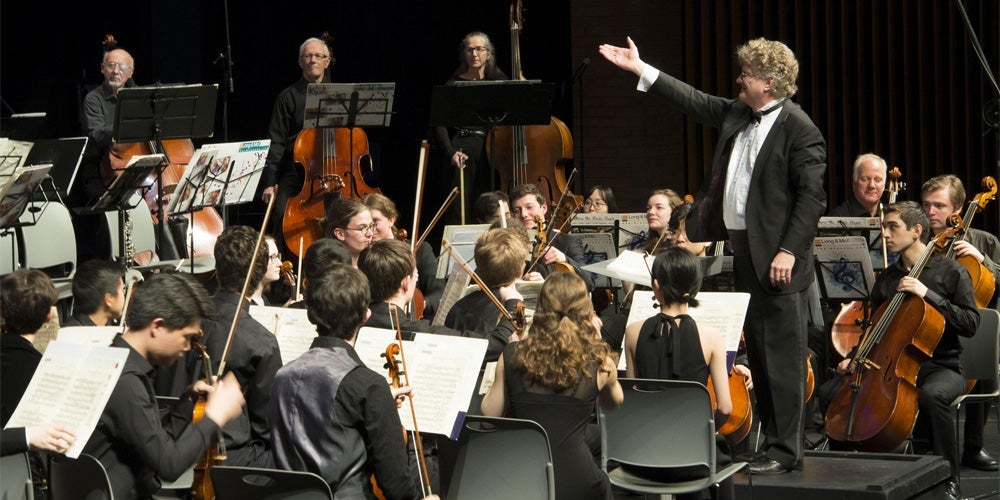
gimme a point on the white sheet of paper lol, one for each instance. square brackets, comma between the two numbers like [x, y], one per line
[725, 311]
[291, 327]
[100, 336]
[70, 387]
[441, 369]
[629, 266]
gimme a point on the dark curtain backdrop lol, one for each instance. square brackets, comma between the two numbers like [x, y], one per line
[895, 77]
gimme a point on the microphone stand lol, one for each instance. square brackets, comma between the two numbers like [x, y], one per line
[227, 74]
[578, 79]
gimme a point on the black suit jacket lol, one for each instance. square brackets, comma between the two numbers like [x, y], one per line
[786, 197]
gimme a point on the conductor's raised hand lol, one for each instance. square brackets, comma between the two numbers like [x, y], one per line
[625, 58]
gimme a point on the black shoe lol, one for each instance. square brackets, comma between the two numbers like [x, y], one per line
[951, 491]
[768, 467]
[980, 461]
[753, 457]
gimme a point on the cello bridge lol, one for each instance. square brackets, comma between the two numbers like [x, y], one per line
[332, 182]
[869, 364]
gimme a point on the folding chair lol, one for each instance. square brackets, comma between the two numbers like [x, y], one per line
[84, 478]
[15, 470]
[243, 483]
[665, 429]
[980, 355]
[522, 446]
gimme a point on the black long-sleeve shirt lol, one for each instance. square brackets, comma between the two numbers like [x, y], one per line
[134, 443]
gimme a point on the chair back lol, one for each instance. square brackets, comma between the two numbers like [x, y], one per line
[502, 458]
[662, 424]
[15, 471]
[981, 351]
[54, 223]
[83, 478]
[244, 483]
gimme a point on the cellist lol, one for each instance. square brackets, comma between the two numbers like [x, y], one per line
[943, 196]
[131, 440]
[945, 285]
[286, 122]
[332, 415]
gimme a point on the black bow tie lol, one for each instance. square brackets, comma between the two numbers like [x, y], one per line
[757, 115]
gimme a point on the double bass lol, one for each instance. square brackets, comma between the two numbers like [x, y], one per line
[531, 154]
[877, 408]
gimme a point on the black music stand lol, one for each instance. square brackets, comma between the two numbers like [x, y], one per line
[153, 114]
[492, 104]
[133, 178]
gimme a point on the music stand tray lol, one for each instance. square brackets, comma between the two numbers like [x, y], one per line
[492, 103]
[348, 104]
[134, 177]
[18, 191]
[170, 112]
[65, 156]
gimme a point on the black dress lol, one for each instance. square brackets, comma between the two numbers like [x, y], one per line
[668, 351]
[565, 417]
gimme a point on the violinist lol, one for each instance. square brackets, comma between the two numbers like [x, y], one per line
[500, 256]
[322, 254]
[392, 274]
[350, 221]
[137, 447]
[490, 206]
[98, 294]
[659, 206]
[384, 214]
[286, 122]
[671, 346]
[942, 196]
[677, 227]
[945, 285]
[272, 275]
[527, 203]
[332, 415]
[555, 376]
[600, 200]
[868, 184]
[253, 356]
[464, 148]
[27, 298]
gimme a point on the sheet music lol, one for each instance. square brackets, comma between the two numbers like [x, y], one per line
[291, 327]
[598, 247]
[463, 242]
[454, 289]
[631, 266]
[13, 154]
[442, 371]
[220, 174]
[327, 104]
[99, 336]
[16, 192]
[724, 311]
[71, 387]
[845, 267]
[633, 227]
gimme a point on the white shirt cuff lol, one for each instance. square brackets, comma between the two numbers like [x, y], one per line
[647, 78]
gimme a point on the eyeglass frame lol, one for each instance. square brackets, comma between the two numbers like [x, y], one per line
[477, 50]
[111, 66]
[587, 204]
[371, 228]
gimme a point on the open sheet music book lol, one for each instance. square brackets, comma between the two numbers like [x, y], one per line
[290, 326]
[71, 387]
[725, 311]
[454, 289]
[220, 174]
[442, 371]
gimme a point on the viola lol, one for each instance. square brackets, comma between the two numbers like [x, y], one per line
[536, 154]
[334, 161]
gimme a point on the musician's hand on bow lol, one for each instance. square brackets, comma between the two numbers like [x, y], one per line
[781, 269]
[459, 158]
[912, 285]
[554, 255]
[268, 193]
[533, 276]
[400, 393]
[625, 58]
[963, 248]
[844, 367]
[200, 388]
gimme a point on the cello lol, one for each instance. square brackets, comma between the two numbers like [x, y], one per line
[983, 281]
[531, 154]
[877, 408]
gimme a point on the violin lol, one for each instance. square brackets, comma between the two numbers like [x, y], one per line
[215, 454]
[737, 426]
[288, 273]
[517, 319]
[543, 244]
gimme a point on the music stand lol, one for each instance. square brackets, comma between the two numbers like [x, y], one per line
[134, 177]
[164, 112]
[492, 104]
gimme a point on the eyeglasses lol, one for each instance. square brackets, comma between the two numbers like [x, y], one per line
[274, 256]
[321, 57]
[370, 228]
[110, 66]
[593, 204]
[477, 50]
[745, 75]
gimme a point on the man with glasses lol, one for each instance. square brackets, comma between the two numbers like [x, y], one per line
[286, 122]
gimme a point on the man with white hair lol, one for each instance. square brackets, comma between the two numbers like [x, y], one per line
[868, 185]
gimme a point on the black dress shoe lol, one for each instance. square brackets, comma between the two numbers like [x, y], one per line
[980, 461]
[768, 467]
[951, 491]
[753, 457]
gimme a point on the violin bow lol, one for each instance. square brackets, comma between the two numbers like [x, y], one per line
[128, 300]
[418, 199]
[482, 286]
[447, 203]
[562, 196]
[246, 287]
[551, 241]
[425, 486]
